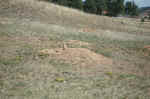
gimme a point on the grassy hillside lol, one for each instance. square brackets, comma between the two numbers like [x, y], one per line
[53, 14]
[53, 52]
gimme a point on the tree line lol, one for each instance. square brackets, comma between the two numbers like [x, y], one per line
[106, 7]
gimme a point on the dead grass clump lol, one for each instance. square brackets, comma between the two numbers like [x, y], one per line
[50, 51]
[87, 30]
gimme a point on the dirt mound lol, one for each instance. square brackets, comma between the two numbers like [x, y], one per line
[84, 55]
[81, 56]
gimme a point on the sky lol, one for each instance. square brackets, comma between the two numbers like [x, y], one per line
[141, 3]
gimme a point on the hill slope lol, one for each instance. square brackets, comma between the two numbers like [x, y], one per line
[49, 51]
[50, 13]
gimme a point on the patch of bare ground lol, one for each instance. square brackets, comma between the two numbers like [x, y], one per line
[79, 56]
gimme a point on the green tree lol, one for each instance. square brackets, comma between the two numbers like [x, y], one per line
[115, 7]
[90, 6]
[100, 6]
[60, 2]
[63, 2]
[131, 8]
[78, 4]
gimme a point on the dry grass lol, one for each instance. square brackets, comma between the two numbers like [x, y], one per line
[86, 56]
[54, 14]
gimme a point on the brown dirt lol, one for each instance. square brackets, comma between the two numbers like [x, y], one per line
[81, 56]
